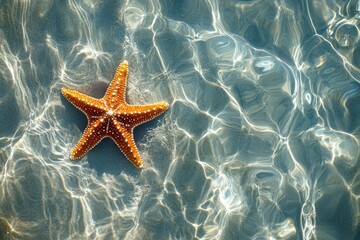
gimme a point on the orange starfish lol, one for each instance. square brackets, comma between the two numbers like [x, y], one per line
[112, 117]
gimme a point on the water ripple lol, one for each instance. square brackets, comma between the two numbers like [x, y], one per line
[261, 140]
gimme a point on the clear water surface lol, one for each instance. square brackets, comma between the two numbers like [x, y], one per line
[261, 140]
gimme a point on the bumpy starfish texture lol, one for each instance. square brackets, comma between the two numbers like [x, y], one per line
[112, 117]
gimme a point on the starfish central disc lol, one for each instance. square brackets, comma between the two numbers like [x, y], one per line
[119, 123]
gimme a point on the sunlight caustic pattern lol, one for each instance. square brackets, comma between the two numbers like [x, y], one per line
[261, 139]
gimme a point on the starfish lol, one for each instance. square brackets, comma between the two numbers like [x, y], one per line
[111, 116]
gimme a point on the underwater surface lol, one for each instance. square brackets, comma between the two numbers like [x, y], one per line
[261, 140]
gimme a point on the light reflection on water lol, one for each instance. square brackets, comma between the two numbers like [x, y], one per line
[261, 140]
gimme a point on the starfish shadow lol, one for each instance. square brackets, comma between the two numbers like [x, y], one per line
[106, 157]
[72, 115]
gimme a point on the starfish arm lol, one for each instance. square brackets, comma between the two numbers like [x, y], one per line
[115, 94]
[83, 102]
[112, 117]
[92, 135]
[137, 114]
[123, 137]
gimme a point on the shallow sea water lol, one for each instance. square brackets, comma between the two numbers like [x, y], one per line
[261, 140]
